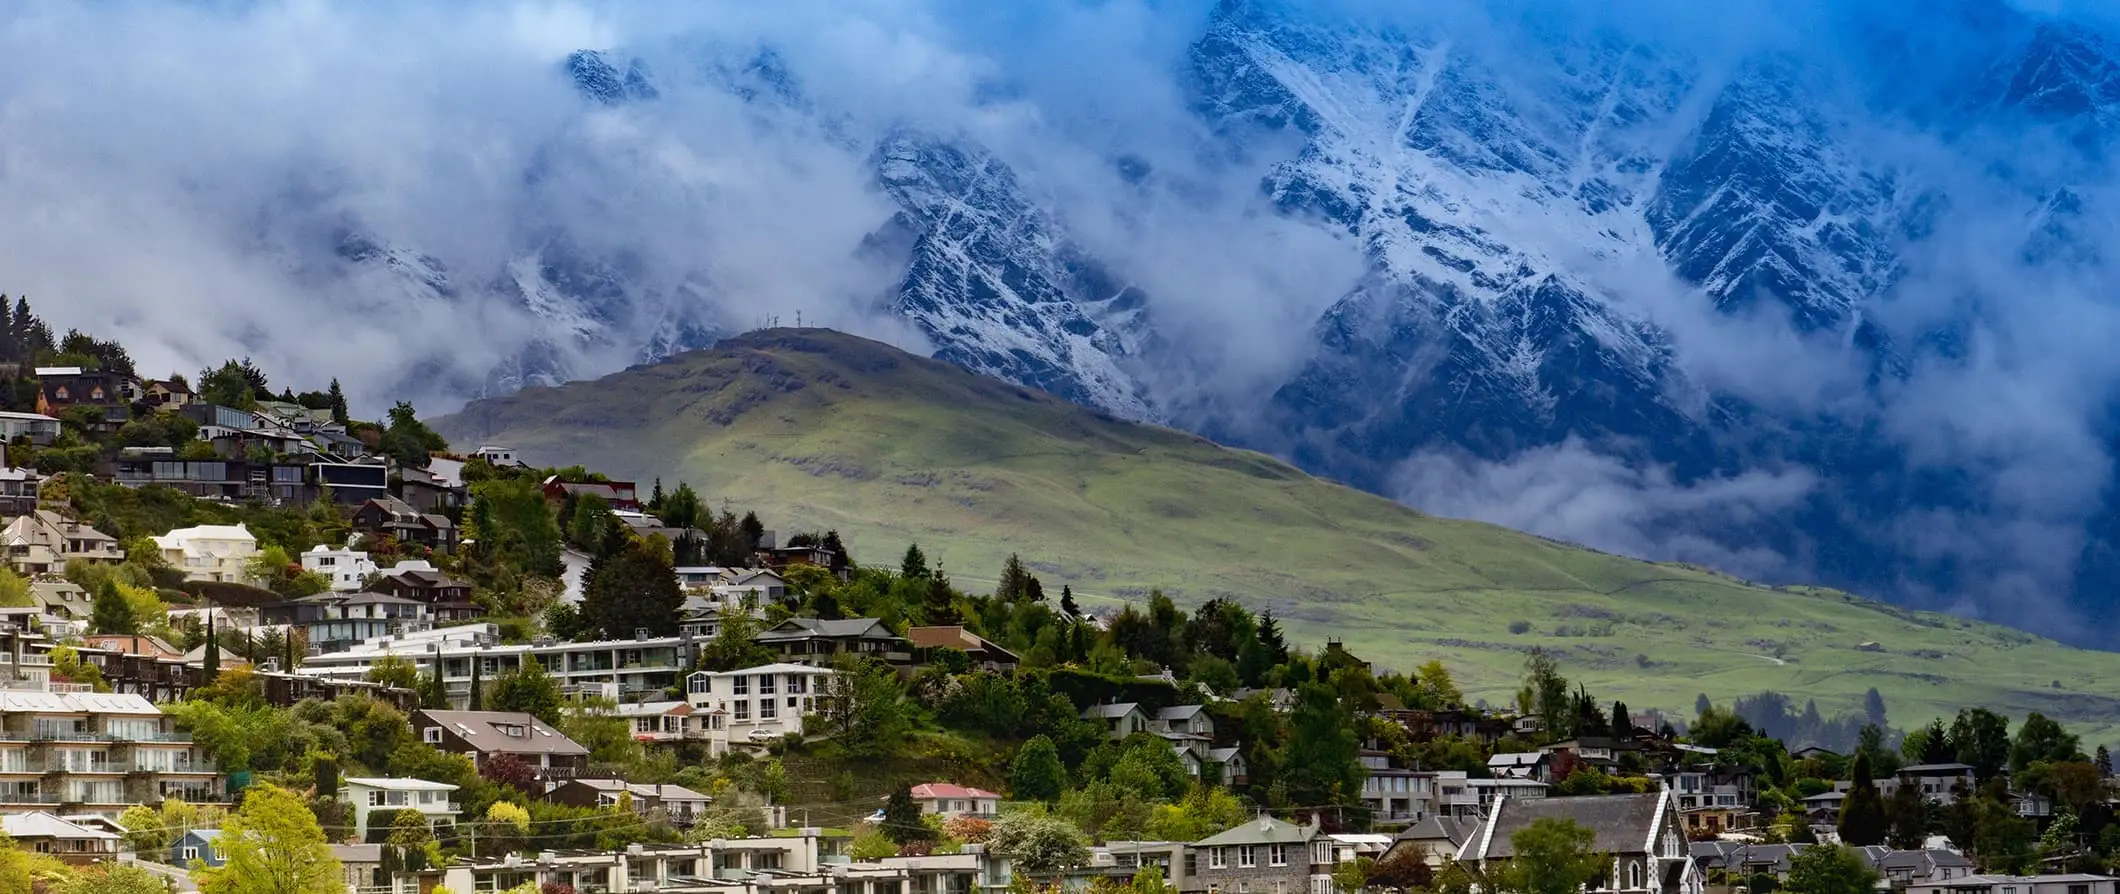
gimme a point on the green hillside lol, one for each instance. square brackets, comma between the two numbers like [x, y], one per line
[816, 429]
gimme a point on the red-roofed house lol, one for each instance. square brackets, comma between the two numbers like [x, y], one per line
[952, 800]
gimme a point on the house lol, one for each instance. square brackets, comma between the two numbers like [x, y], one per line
[1434, 840]
[198, 847]
[781, 558]
[486, 735]
[448, 599]
[1715, 798]
[1939, 783]
[951, 800]
[133, 644]
[61, 388]
[662, 721]
[1394, 794]
[678, 803]
[2020, 884]
[1228, 764]
[219, 553]
[813, 641]
[427, 492]
[758, 585]
[1264, 855]
[333, 622]
[96, 752]
[619, 494]
[398, 519]
[369, 794]
[64, 607]
[363, 864]
[754, 705]
[345, 568]
[43, 542]
[75, 843]
[1642, 833]
[20, 489]
[498, 456]
[1522, 765]
[1121, 719]
[1184, 720]
[167, 394]
[1917, 867]
[985, 655]
[352, 483]
[623, 670]
[40, 429]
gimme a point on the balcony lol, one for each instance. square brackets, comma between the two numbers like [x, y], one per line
[29, 798]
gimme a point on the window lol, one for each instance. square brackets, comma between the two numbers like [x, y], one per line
[1634, 875]
[375, 799]
[767, 709]
[765, 684]
[1217, 858]
[699, 683]
[1247, 856]
[1277, 855]
[792, 702]
[740, 685]
[432, 734]
[191, 853]
[743, 709]
[798, 684]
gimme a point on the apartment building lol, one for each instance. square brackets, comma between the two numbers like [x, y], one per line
[210, 552]
[624, 670]
[754, 705]
[1396, 795]
[96, 753]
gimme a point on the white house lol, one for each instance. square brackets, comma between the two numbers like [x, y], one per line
[952, 800]
[756, 704]
[2020, 884]
[344, 568]
[663, 721]
[370, 794]
[210, 552]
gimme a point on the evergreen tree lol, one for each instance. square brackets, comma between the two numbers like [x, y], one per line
[1862, 815]
[914, 565]
[2104, 760]
[1701, 704]
[754, 533]
[1270, 638]
[939, 606]
[1034, 591]
[1907, 815]
[634, 589]
[1622, 721]
[1873, 709]
[1981, 738]
[901, 818]
[337, 397]
[1067, 602]
[655, 497]
[1936, 745]
[478, 688]
[1037, 774]
[111, 613]
[1322, 761]
[210, 667]
[1015, 580]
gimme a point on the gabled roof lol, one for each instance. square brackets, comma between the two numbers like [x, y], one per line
[1439, 828]
[358, 853]
[1179, 712]
[653, 709]
[930, 790]
[1264, 830]
[402, 784]
[804, 628]
[1112, 711]
[1623, 824]
[953, 637]
[1224, 755]
[38, 824]
[480, 729]
[664, 792]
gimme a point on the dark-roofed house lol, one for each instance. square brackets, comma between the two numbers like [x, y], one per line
[338, 621]
[619, 494]
[985, 654]
[1643, 833]
[448, 598]
[484, 735]
[1434, 841]
[1121, 719]
[815, 642]
[680, 804]
[397, 518]
[1263, 856]
[1939, 783]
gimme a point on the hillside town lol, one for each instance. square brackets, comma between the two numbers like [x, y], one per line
[251, 644]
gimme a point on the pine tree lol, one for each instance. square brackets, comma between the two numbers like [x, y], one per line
[1014, 580]
[1622, 721]
[338, 403]
[901, 818]
[754, 532]
[211, 666]
[1862, 815]
[655, 497]
[478, 688]
[1701, 704]
[111, 613]
[1270, 638]
[939, 606]
[2104, 761]
[914, 565]
[1907, 816]
[1067, 602]
[1936, 744]
[1034, 591]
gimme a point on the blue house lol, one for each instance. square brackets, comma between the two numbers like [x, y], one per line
[197, 845]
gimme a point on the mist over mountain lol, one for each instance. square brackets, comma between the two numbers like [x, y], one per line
[1808, 291]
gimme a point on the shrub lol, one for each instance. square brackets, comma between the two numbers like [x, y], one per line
[1519, 627]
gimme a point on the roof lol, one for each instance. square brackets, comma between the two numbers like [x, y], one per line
[76, 703]
[207, 835]
[1622, 823]
[952, 637]
[479, 730]
[653, 709]
[1112, 711]
[175, 539]
[803, 628]
[1439, 828]
[1180, 712]
[1264, 830]
[403, 784]
[950, 790]
[28, 417]
[38, 824]
[665, 792]
[357, 853]
[776, 668]
[1937, 769]
[1223, 755]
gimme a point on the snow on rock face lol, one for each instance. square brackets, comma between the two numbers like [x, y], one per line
[994, 281]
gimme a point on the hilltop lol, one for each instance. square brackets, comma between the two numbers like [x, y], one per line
[827, 430]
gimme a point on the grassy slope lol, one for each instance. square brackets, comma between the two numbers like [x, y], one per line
[816, 429]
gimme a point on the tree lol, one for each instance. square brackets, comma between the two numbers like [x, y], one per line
[1067, 602]
[1037, 774]
[914, 565]
[1585, 780]
[633, 590]
[506, 827]
[210, 664]
[144, 831]
[1830, 869]
[1873, 709]
[530, 690]
[1352, 876]
[477, 701]
[337, 397]
[391, 670]
[111, 613]
[408, 441]
[901, 818]
[2104, 762]
[1862, 815]
[229, 386]
[735, 645]
[864, 706]
[273, 845]
[1549, 693]
[1907, 815]
[2041, 739]
[1437, 686]
[1323, 756]
[412, 836]
[1936, 744]
[1038, 842]
[1015, 580]
[682, 508]
[113, 878]
[1981, 738]
[1553, 856]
